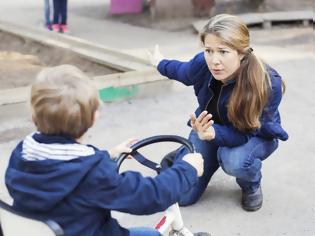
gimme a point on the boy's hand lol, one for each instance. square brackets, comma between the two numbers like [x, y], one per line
[196, 160]
[203, 125]
[123, 147]
[156, 56]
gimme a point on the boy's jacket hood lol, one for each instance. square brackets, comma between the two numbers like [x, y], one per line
[47, 181]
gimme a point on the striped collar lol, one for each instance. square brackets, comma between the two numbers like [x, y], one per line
[38, 147]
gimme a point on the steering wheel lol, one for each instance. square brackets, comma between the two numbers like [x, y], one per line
[151, 140]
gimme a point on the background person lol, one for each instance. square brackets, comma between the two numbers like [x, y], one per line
[47, 14]
[60, 16]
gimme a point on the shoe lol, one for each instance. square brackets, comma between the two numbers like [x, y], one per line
[56, 28]
[48, 26]
[202, 234]
[64, 29]
[252, 201]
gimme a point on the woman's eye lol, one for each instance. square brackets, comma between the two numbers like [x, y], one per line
[223, 52]
[208, 51]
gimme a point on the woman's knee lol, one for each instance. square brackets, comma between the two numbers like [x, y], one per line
[229, 161]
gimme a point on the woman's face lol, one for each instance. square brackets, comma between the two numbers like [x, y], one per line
[222, 60]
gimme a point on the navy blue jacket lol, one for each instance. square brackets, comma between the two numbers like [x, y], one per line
[77, 185]
[195, 72]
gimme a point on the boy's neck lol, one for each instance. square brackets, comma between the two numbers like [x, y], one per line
[79, 140]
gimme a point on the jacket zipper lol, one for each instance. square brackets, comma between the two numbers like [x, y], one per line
[217, 102]
[209, 100]
[218, 111]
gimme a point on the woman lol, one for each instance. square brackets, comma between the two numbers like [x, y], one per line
[237, 123]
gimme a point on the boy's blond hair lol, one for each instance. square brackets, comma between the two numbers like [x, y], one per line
[64, 101]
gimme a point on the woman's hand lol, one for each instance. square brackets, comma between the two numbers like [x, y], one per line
[123, 147]
[203, 125]
[156, 56]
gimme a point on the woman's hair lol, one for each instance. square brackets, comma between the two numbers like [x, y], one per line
[64, 101]
[253, 86]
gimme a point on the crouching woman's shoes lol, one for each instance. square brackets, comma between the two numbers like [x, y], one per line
[252, 201]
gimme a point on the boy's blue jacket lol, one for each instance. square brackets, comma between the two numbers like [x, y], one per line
[195, 72]
[77, 185]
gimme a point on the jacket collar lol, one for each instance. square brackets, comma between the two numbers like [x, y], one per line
[232, 81]
[49, 139]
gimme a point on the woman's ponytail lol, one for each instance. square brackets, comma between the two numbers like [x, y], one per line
[250, 93]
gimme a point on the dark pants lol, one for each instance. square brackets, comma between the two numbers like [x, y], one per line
[243, 162]
[60, 12]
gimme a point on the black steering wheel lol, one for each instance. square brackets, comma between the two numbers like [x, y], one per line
[147, 141]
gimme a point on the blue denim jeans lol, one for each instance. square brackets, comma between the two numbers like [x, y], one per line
[47, 12]
[243, 162]
[143, 231]
[60, 12]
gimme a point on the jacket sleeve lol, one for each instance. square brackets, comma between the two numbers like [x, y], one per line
[184, 72]
[227, 135]
[130, 192]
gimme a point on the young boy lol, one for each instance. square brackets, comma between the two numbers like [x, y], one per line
[53, 175]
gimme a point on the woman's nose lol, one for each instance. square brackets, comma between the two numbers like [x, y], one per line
[215, 59]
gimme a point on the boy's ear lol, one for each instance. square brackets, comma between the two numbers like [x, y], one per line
[34, 120]
[96, 116]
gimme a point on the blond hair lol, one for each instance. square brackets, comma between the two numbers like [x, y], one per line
[63, 101]
[252, 87]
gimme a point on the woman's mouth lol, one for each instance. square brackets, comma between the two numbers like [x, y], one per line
[216, 71]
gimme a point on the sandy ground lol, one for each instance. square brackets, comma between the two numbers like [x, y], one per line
[21, 60]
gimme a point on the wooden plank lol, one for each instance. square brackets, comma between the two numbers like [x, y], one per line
[16, 95]
[266, 19]
[118, 80]
[92, 51]
[128, 78]
[281, 16]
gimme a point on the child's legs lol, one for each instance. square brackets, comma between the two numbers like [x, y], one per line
[209, 153]
[47, 12]
[63, 11]
[244, 162]
[56, 4]
[143, 231]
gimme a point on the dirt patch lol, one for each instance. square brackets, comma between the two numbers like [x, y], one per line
[17, 70]
[21, 60]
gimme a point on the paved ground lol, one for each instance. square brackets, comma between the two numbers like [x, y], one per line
[288, 175]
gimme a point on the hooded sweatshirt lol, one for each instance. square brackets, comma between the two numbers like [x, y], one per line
[76, 185]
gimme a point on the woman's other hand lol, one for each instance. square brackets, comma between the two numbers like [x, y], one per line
[156, 56]
[203, 125]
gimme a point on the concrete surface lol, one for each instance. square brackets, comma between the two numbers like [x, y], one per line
[288, 175]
